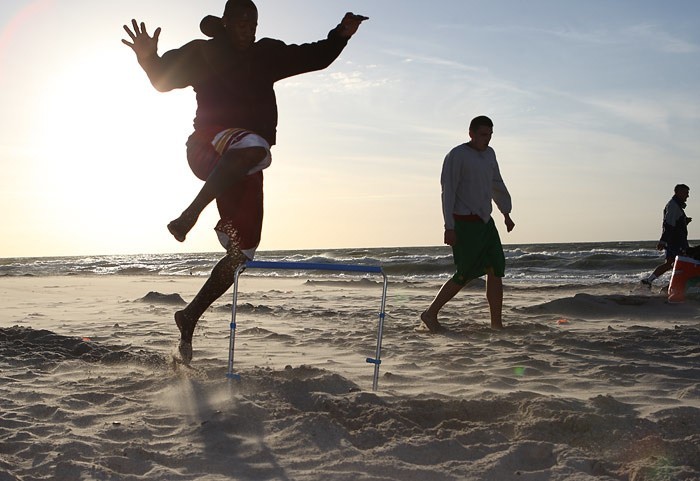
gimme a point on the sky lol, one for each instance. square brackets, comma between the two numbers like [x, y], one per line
[596, 107]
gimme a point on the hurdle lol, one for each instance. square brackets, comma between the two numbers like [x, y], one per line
[310, 266]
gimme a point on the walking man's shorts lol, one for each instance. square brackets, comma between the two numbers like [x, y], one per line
[478, 248]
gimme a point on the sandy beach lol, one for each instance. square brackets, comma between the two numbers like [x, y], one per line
[596, 383]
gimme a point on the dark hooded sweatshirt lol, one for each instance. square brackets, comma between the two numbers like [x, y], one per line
[234, 88]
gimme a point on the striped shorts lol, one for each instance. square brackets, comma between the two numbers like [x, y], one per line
[241, 207]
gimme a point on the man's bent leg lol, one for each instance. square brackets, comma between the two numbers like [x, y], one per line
[494, 295]
[233, 166]
[429, 317]
[664, 268]
[220, 280]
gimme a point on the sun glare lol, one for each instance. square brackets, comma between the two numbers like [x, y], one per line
[108, 142]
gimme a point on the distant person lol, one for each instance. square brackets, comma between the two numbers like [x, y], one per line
[674, 232]
[471, 180]
[235, 125]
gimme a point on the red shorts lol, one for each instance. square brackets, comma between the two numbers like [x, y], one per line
[241, 207]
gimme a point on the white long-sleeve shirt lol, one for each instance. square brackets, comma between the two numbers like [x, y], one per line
[470, 181]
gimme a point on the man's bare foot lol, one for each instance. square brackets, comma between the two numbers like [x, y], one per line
[185, 350]
[430, 322]
[186, 327]
[182, 225]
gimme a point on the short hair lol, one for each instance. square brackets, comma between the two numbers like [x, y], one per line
[680, 187]
[234, 6]
[480, 121]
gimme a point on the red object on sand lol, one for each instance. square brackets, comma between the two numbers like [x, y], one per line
[685, 279]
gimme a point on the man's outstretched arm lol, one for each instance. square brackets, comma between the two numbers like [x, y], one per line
[297, 59]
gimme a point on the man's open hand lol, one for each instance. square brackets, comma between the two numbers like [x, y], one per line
[141, 43]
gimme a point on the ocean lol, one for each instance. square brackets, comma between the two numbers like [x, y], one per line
[582, 263]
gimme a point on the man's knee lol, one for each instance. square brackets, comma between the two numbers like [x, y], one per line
[235, 255]
[244, 159]
[460, 279]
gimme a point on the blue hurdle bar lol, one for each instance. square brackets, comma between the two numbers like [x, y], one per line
[310, 266]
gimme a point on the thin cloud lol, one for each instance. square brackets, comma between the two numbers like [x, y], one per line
[644, 109]
[356, 80]
[646, 36]
[335, 82]
[480, 78]
[660, 40]
[435, 61]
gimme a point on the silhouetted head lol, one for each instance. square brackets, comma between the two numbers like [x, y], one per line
[480, 121]
[480, 132]
[682, 191]
[239, 23]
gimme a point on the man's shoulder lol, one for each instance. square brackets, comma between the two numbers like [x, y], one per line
[198, 43]
[191, 46]
[457, 149]
[187, 53]
[464, 149]
[269, 43]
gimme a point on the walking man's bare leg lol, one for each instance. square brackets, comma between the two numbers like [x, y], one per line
[448, 290]
[494, 295]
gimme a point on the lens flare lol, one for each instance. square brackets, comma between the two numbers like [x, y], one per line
[21, 19]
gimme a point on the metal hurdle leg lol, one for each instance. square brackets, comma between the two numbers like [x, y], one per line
[380, 332]
[232, 337]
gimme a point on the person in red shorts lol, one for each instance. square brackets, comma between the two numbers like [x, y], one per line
[233, 76]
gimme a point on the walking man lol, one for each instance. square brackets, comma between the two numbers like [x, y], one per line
[471, 180]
